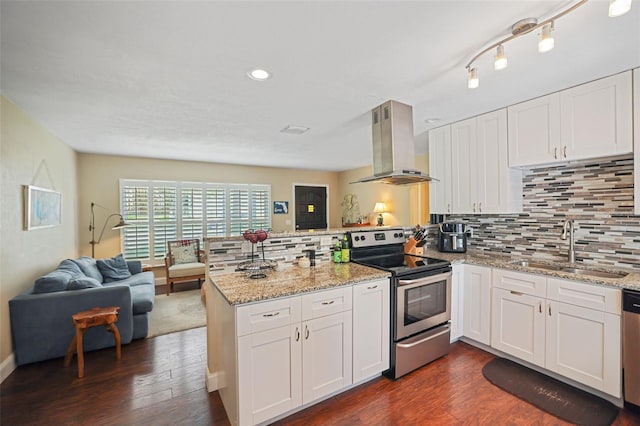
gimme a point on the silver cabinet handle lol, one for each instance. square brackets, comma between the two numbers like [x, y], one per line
[371, 288]
[448, 208]
[516, 293]
[549, 310]
[297, 334]
[480, 207]
[555, 153]
[565, 151]
[271, 315]
[540, 306]
[474, 207]
[328, 303]
[306, 332]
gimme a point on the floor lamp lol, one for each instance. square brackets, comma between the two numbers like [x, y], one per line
[92, 227]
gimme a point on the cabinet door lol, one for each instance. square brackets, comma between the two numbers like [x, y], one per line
[440, 168]
[477, 303]
[534, 131]
[498, 189]
[269, 373]
[457, 302]
[596, 118]
[517, 325]
[326, 355]
[463, 165]
[584, 345]
[371, 321]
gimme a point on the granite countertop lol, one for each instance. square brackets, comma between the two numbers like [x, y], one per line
[495, 260]
[237, 288]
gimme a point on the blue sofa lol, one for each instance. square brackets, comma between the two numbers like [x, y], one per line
[41, 324]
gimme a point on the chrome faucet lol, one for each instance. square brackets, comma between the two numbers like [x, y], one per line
[569, 226]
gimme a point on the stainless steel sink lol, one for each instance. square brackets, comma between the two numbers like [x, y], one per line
[577, 271]
[592, 273]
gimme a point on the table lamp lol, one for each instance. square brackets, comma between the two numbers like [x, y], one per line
[380, 208]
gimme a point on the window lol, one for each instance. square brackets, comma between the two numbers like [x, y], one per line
[161, 211]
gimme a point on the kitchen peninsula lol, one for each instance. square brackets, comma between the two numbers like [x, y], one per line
[295, 337]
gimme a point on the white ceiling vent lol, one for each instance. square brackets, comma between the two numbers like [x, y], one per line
[295, 130]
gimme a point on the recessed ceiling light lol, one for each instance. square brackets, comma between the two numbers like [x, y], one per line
[259, 74]
[431, 120]
[295, 130]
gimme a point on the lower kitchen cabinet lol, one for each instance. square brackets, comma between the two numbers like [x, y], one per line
[518, 325]
[371, 327]
[477, 303]
[574, 331]
[457, 302]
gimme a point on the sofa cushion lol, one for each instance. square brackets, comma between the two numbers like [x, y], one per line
[186, 269]
[83, 282]
[143, 278]
[184, 254]
[114, 269]
[89, 267]
[58, 280]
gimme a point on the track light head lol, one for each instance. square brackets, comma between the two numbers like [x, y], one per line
[546, 42]
[473, 81]
[500, 62]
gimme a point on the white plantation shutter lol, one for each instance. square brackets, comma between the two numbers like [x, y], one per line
[192, 214]
[216, 211]
[163, 211]
[165, 218]
[135, 211]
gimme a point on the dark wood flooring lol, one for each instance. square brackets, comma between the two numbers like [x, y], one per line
[160, 381]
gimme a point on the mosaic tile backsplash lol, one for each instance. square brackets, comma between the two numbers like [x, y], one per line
[597, 194]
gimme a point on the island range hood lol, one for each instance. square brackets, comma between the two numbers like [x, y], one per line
[393, 146]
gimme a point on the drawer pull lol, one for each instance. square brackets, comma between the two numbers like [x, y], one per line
[328, 303]
[565, 151]
[555, 153]
[306, 332]
[271, 315]
[297, 334]
[549, 310]
[540, 306]
[516, 293]
[371, 288]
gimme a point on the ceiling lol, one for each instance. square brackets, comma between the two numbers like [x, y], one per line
[168, 79]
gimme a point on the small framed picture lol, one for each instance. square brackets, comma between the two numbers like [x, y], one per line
[280, 207]
[42, 208]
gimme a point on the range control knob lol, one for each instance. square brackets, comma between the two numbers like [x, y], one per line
[364, 238]
[357, 238]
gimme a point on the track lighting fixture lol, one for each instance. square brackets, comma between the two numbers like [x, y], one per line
[619, 7]
[500, 62]
[546, 42]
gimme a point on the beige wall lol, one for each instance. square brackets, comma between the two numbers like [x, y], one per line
[27, 147]
[99, 176]
[408, 205]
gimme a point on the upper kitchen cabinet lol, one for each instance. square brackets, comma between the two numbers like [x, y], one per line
[587, 121]
[440, 168]
[636, 127]
[481, 179]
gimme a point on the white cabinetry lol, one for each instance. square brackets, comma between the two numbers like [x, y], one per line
[636, 138]
[457, 302]
[440, 168]
[477, 303]
[371, 323]
[570, 328]
[464, 166]
[587, 121]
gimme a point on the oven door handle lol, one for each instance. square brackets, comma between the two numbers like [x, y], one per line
[426, 280]
[419, 342]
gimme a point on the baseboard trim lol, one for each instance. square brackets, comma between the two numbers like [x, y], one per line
[7, 367]
[212, 381]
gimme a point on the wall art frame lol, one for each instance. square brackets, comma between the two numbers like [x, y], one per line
[280, 207]
[42, 208]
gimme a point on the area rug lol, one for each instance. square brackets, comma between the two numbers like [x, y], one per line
[183, 310]
[548, 394]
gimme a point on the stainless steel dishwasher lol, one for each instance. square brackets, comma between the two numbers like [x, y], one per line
[631, 347]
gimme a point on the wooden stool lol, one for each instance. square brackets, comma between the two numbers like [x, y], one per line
[85, 320]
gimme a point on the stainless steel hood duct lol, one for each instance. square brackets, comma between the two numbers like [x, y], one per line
[393, 146]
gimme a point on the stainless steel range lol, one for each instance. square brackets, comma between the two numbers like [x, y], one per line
[420, 298]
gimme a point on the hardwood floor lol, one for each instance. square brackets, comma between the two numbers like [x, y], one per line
[160, 381]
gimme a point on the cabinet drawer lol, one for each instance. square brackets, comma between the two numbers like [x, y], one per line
[326, 302]
[267, 315]
[585, 295]
[535, 285]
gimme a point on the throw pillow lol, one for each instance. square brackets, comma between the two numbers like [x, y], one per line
[89, 267]
[80, 283]
[114, 269]
[58, 280]
[184, 254]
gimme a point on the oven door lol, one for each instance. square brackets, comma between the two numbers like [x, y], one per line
[422, 303]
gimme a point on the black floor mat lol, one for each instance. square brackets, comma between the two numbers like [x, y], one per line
[548, 394]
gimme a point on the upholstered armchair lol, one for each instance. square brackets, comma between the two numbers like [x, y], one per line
[184, 262]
